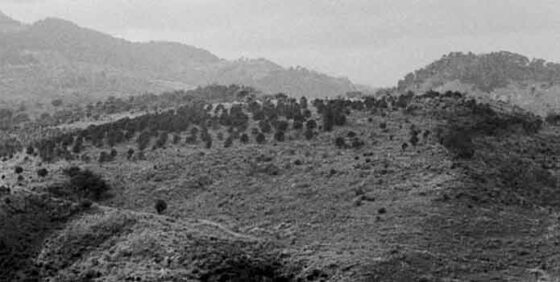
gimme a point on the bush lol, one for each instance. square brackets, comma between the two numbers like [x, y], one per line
[71, 171]
[309, 134]
[18, 169]
[104, 157]
[279, 136]
[42, 172]
[229, 142]
[160, 206]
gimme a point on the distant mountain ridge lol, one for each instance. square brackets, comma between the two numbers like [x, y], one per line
[533, 84]
[57, 58]
[8, 24]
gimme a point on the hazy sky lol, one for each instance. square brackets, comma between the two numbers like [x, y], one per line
[375, 42]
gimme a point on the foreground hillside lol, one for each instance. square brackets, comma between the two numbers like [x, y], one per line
[430, 188]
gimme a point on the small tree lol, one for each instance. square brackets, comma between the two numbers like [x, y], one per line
[18, 169]
[129, 153]
[244, 138]
[229, 142]
[261, 139]
[279, 136]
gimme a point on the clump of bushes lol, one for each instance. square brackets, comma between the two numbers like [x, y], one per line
[85, 183]
[460, 143]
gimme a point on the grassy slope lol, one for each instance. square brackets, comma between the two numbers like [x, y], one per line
[443, 218]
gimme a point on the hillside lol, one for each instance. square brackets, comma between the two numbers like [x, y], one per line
[531, 84]
[53, 58]
[434, 187]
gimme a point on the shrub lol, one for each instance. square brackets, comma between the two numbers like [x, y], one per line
[160, 206]
[18, 169]
[104, 157]
[129, 153]
[553, 118]
[42, 172]
[404, 146]
[414, 139]
[244, 138]
[357, 143]
[339, 142]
